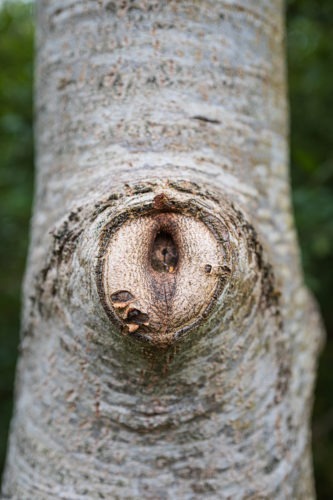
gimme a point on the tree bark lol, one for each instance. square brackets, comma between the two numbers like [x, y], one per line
[168, 342]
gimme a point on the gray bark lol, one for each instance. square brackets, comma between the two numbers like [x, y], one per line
[163, 115]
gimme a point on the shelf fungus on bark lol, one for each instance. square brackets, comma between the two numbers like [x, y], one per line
[161, 270]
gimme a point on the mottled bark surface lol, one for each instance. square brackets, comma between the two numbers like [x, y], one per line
[168, 343]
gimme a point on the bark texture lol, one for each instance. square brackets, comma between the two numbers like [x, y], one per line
[162, 146]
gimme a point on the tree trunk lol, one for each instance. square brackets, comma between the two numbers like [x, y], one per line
[168, 343]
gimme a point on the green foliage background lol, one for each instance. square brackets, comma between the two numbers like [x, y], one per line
[310, 61]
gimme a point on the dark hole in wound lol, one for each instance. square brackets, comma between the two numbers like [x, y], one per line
[137, 317]
[122, 296]
[164, 255]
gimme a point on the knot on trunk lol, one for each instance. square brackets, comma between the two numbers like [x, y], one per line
[165, 258]
[162, 267]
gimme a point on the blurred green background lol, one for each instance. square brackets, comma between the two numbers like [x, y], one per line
[310, 61]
